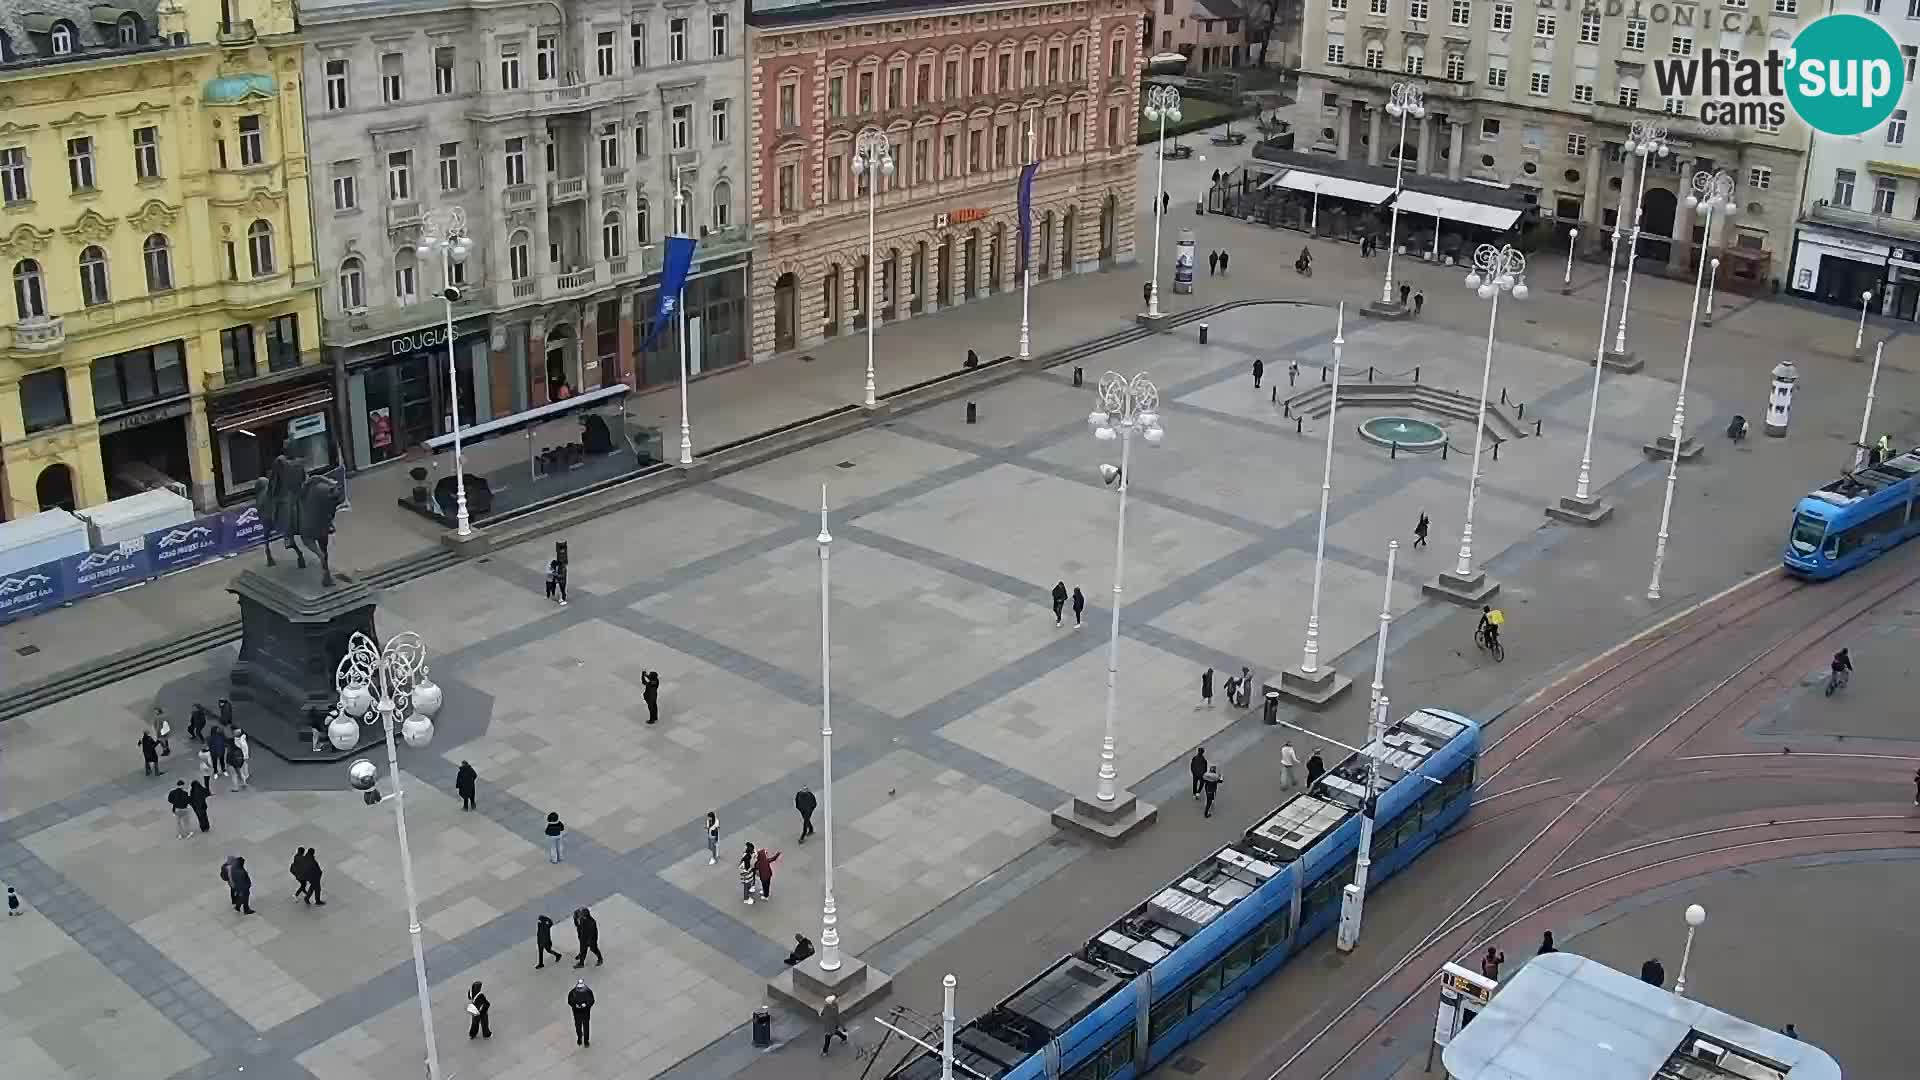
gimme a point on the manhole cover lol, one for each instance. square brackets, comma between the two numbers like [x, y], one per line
[844, 465]
[27, 650]
[1188, 1066]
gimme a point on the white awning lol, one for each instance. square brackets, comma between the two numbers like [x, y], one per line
[1471, 213]
[1337, 187]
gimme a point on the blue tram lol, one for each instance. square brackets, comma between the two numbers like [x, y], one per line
[1855, 518]
[1179, 961]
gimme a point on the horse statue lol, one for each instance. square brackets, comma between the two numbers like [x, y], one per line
[296, 505]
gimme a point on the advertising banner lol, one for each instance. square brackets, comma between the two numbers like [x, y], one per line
[182, 546]
[103, 570]
[106, 569]
[30, 591]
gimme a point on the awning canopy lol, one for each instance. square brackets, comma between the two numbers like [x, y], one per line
[471, 433]
[1471, 213]
[1337, 187]
[299, 404]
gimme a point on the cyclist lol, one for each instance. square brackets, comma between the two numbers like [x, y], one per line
[1491, 619]
[1842, 666]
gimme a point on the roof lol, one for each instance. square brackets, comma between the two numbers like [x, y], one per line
[1382, 176]
[228, 89]
[793, 12]
[1220, 9]
[1565, 1017]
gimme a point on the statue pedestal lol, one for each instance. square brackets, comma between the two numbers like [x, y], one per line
[293, 633]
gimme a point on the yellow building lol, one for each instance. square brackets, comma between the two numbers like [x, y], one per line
[164, 323]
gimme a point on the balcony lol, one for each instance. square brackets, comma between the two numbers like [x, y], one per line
[576, 280]
[1905, 230]
[235, 32]
[570, 189]
[613, 177]
[42, 333]
[1383, 80]
[720, 243]
[519, 194]
[539, 100]
[402, 214]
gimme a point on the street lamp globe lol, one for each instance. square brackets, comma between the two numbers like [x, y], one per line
[1520, 291]
[1696, 915]
[355, 700]
[1097, 418]
[417, 730]
[362, 775]
[1154, 434]
[1105, 434]
[1473, 280]
[426, 697]
[343, 732]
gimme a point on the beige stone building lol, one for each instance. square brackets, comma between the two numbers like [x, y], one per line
[964, 92]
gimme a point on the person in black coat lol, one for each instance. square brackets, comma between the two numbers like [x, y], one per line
[1059, 600]
[802, 948]
[478, 1007]
[312, 880]
[239, 884]
[1079, 605]
[217, 747]
[543, 943]
[580, 1000]
[197, 798]
[1651, 972]
[1546, 944]
[650, 693]
[1197, 765]
[150, 755]
[1316, 768]
[463, 782]
[805, 803]
[589, 934]
[197, 723]
[1206, 688]
[298, 869]
[1259, 372]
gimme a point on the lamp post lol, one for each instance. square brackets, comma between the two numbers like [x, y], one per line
[1310, 655]
[829, 914]
[445, 231]
[1352, 912]
[1866, 414]
[1403, 101]
[946, 1027]
[1026, 255]
[1125, 407]
[1646, 139]
[1711, 192]
[380, 685]
[1866, 297]
[1495, 270]
[1713, 271]
[1163, 104]
[1696, 915]
[1582, 485]
[1566, 276]
[873, 159]
[679, 224]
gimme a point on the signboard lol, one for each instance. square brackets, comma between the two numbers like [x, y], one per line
[143, 417]
[1463, 994]
[960, 217]
[106, 569]
[301, 427]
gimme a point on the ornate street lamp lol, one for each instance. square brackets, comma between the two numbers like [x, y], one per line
[1126, 407]
[1647, 140]
[873, 159]
[1405, 103]
[1496, 270]
[1163, 106]
[445, 231]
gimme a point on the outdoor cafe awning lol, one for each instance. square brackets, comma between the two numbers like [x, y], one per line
[1471, 213]
[1334, 186]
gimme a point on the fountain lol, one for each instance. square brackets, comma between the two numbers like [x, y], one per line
[1413, 436]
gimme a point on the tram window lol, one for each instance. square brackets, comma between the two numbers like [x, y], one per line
[1807, 531]
[1238, 961]
[1170, 1011]
[1106, 1061]
[1205, 986]
[1833, 546]
[1884, 523]
[1270, 935]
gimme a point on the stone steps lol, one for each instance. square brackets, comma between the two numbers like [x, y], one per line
[1502, 422]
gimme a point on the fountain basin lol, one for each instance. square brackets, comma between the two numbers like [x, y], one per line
[1409, 434]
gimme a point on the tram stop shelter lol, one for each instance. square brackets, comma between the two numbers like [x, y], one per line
[1564, 1017]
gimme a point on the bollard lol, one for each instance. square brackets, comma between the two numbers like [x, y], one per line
[1496, 451]
[1503, 395]
[1369, 372]
[762, 1027]
[1270, 712]
[1323, 373]
[1445, 445]
[1286, 409]
[973, 413]
[1393, 451]
[1203, 333]
[1276, 395]
[1079, 374]
[1298, 425]
[1416, 373]
[1536, 425]
[1520, 412]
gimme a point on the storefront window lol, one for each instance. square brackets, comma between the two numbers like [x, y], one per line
[245, 451]
[236, 353]
[283, 343]
[137, 377]
[43, 400]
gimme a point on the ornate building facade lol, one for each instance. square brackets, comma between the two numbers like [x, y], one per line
[153, 222]
[961, 91]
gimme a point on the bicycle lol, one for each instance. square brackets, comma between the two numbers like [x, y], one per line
[1499, 651]
[1837, 680]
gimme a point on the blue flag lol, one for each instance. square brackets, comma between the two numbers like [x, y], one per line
[673, 281]
[1026, 212]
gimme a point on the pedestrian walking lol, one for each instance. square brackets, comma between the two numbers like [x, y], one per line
[1653, 974]
[1206, 688]
[830, 1023]
[1259, 370]
[217, 746]
[313, 878]
[236, 759]
[1315, 769]
[650, 693]
[1916, 787]
[1289, 760]
[543, 943]
[149, 755]
[713, 838]
[226, 713]
[580, 1001]
[763, 869]
[1197, 766]
[588, 933]
[1223, 262]
[298, 870]
[1546, 944]
[1079, 606]
[1405, 291]
[1213, 263]
[1419, 301]
[162, 731]
[205, 756]
[747, 874]
[556, 837]
[478, 1007]
[1293, 372]
[802, 948]
[463, 781]
[245, 746]
[1059, 600]
[197, 796]
[197, 722]
[804, 802]
[1146, 292]
[13, 907]
[1246, 686]
[553, 579]
[1420, 530]
[1490, 963]
[239, 884]
[1789, 1031]
[1211, 783]
[182, 805]
[1166, 200]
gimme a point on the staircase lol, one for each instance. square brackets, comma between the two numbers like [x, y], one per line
[1503, 423]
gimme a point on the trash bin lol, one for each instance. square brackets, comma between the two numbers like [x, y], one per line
[762, 1027]
[1270, 711]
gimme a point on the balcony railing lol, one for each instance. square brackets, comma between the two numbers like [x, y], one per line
[567, 190]
[519, 193]
[41, 333]
[617, 267]
[402, 213]
[1904, 229]
[576, 280]
[717, 243]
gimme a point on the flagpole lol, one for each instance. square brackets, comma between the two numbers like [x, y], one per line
[686, 427]
[1026, 253]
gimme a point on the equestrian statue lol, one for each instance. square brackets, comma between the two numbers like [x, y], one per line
[296, 505]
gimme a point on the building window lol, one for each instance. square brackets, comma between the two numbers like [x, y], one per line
[237, 361]
[29, 290]
[1786, 7]
[1336, 49]
[156, 253]
[605, 54]
[346, 194]
[722, 35]
[516, 161]
[1843, 188]
[1417, 9]
[336, 79]
[146, 153]
[1590, 28]
[837, 95]
[444, 59]
[637, 37]
[896, 87]
[400, 175]
[676, 41]
[93, 277]
[1871, 7]
[722, 205]
[509, 66]
[1629, 97]
[260, 248]
[788, 182]
[1079, 63]
[1004, 70]
[718, 128]
[1416, 60]
[253, 150]
[1583, 93]
[13, 175]
[43, 400]
[406, 277]
[1456, 67]
[1115, 54]
[1884, 189]
[641, 123]
[1463, 12]
[1113, 127]
[1503, 17]
[353, 286]
[62, 39]
[1540, 82]
[1497, 72]
[1576, 144]
[519, 261]
[1490, 129]
[449, 166]
[546, 58]
[1376, 7]
[1674, 106]
[683, 213]
[610, 245]
[789, 107]
[1544, 25]
[283, 342]
[682, 127]
[610, 146]
[80, 164]
[643, 220]
[137, 377]
[977, 76]
[1636, 37]
[1897, 128]
[1376, 55]
[392, 77]
[1760, 178]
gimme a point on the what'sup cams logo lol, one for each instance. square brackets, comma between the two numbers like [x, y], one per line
[1843, 75]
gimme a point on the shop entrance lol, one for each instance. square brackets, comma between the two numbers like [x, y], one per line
[54, 488]
[783, 313]
[1842, 280]
[143, 458]
[560, 381]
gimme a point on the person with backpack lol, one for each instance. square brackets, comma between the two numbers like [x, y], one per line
[239, 884]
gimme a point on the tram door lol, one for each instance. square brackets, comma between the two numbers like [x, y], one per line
[1142, 1015]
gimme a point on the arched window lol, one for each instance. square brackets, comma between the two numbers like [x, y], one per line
[157, 254]
[611, 245]
[519, 257]
[683, 213]
[130, 30]
[61, 39]
[93, 276]
[260, 248]
[353, 285]
[29, 290]
[643, 221]
[406, 277]
[722, 205]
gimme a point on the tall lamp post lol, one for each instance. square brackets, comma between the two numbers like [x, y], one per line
[1860, 334]
[1713, 271]
[381, 686]
[1496, 270]
[1163, 105]
[680, 227]
[1583, 506]
[1711, 192]
[873, 159]
[1312, 684]
[1126, 407]
[1026, 255]
[1866, 414]
[1696, 915]
[445, 231]
[1566, 276]
[1354, 908]
[829, 914]
[1646, 139]
[1404, 101]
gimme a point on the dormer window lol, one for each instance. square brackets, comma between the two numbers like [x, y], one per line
[128, 30]
[61, 39]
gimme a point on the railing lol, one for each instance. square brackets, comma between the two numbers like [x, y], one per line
[614, 177]
[617, 267]
[40, 333]
[523, 289]
[578, 279]
[566, 190]
[519, 193]
[1881, 224]
[403, 213]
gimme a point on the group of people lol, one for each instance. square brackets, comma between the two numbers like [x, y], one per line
[1239, 689]
[224, 750]
[1060, 599]
[1217, 262]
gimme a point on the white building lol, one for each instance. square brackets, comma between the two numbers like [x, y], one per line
[559, 130]
[1860, 222]
[1539, 96]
